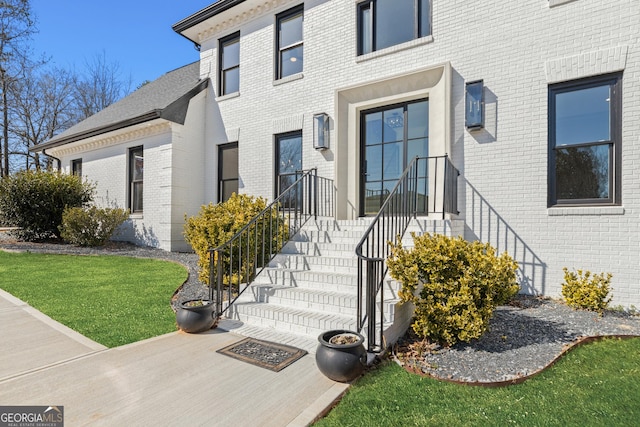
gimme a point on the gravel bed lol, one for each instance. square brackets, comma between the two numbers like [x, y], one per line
[191, 289]
[523, 339]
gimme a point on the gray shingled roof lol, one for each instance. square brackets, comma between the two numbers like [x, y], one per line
[166, 97]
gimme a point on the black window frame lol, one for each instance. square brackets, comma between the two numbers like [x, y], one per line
[225, 41]
[615, 143]
[76, 167]
[133, 188]
[221, 180]
[287, 14]
[419, 30]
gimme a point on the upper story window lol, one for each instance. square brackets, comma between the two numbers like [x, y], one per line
[385, 23]
[76, 167]
[136, 179]
[289, 42]
[229, 60]
[584, 141]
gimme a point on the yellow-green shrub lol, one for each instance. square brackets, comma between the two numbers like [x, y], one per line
[215, 224]
[91, 226]
[462, 283]
[584, 290]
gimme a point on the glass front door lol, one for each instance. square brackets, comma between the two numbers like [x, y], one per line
[288, 164]
[391, 137]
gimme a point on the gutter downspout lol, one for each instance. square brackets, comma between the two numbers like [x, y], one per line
[44, 151]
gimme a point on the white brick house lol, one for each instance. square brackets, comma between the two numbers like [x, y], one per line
[550, 176]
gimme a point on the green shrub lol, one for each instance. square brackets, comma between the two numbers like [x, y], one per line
[91, 226]
[584, 290]
[34, 201]
[454, 284]
[216, 224]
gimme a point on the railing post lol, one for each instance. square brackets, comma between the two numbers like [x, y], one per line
[315, 193]
[371, 302]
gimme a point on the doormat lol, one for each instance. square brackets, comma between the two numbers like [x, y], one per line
[265, 354]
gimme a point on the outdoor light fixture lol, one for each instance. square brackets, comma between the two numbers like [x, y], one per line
[321, 131]
[474, 105]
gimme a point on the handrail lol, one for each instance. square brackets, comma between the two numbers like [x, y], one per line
[236, 263]
[416, 192]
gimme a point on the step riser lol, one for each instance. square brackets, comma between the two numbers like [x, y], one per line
[337, 250]
[321, 281]
[288, 322]
[294, 298]
[302, 262]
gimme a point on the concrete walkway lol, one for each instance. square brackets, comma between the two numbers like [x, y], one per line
[171, 380]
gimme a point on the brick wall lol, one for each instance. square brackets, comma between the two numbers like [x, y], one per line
[518, 49]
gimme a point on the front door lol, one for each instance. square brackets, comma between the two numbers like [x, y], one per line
[391, 137]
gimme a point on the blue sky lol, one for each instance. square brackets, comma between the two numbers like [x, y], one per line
[136, 34]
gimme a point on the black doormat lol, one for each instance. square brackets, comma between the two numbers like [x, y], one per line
[265, 354]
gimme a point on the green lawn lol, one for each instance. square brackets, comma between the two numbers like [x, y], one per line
[111, 299]
[594, 385]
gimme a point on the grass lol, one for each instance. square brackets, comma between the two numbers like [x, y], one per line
[596, 384]
[112, 300]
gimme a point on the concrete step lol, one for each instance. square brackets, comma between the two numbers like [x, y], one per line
[309, 279]
[346, 250]
[309, 262]
[324, 236]
[304, 299]
[358, 225]
[289, 320]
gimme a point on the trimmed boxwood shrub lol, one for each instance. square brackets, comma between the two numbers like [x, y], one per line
[585, 290]
[454, 284]
[91, 226]
[215, 224]
[35, 200]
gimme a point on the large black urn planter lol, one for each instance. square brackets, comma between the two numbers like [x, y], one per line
[195, 316]
[341, 362]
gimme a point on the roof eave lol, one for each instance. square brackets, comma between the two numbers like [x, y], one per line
[151, 115]
[206, 13]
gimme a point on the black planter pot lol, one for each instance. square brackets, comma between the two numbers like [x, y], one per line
[341, 362]
[195, 318]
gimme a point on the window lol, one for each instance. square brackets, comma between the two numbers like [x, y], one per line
[227, 171]
[76, 167]
[584, 142]
[229, 60]
[289, 42]
[136, 175]
[288, 157]
[385, 23]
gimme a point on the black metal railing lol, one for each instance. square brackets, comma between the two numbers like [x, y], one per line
[428, 185]
[235, 264]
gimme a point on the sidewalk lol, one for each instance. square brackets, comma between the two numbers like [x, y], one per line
[171, 380]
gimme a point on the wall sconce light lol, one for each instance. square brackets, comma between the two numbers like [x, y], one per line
[321, 131]
[474, 105]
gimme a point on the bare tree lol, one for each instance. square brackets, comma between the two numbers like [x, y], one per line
[101, 85]
[44, 106]
[16, 27]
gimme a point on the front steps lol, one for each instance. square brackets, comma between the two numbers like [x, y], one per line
[310, 287]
